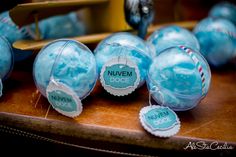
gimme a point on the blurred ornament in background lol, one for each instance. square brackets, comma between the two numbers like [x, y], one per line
[123, 60]
[217, 38]
[139, 14]
[12, 32]
[179, 78]
[225, 10]
[6, 60]
[170, 36]
[51, 28]
[60, 26]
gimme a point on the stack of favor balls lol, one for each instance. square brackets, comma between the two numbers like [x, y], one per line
[65, 71]
[217, 34]
[179, 76]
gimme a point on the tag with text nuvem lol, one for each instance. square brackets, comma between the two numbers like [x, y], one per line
[63, 99]
[159, 120]
[120, 76]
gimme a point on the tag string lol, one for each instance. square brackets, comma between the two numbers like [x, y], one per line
[121, 55]
[154, 90]
[150, 97]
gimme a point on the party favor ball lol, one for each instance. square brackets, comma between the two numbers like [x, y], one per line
[68, 62]
[173, 36]
[13, 33]
[6, 60]
[217, 38]
[179, 78]
[61, 26]
[123, 60]
[224, 10]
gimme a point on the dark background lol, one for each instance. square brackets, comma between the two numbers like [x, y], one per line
[166, 10]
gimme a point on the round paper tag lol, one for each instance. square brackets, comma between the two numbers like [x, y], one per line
[159, 120]
[1, 87]
[63, 99]
[120, 76]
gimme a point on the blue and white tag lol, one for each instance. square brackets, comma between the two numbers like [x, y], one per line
[159, 120]
[63, 99]
[120, 76]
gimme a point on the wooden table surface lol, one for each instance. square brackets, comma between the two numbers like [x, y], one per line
[115, 120]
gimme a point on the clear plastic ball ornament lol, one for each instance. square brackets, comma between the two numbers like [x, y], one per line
[173, 35]
[68, 62]
[217, 38]
[12, 32]
[6, 60]
[126, 48]
[224, 10]
[179, 78]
